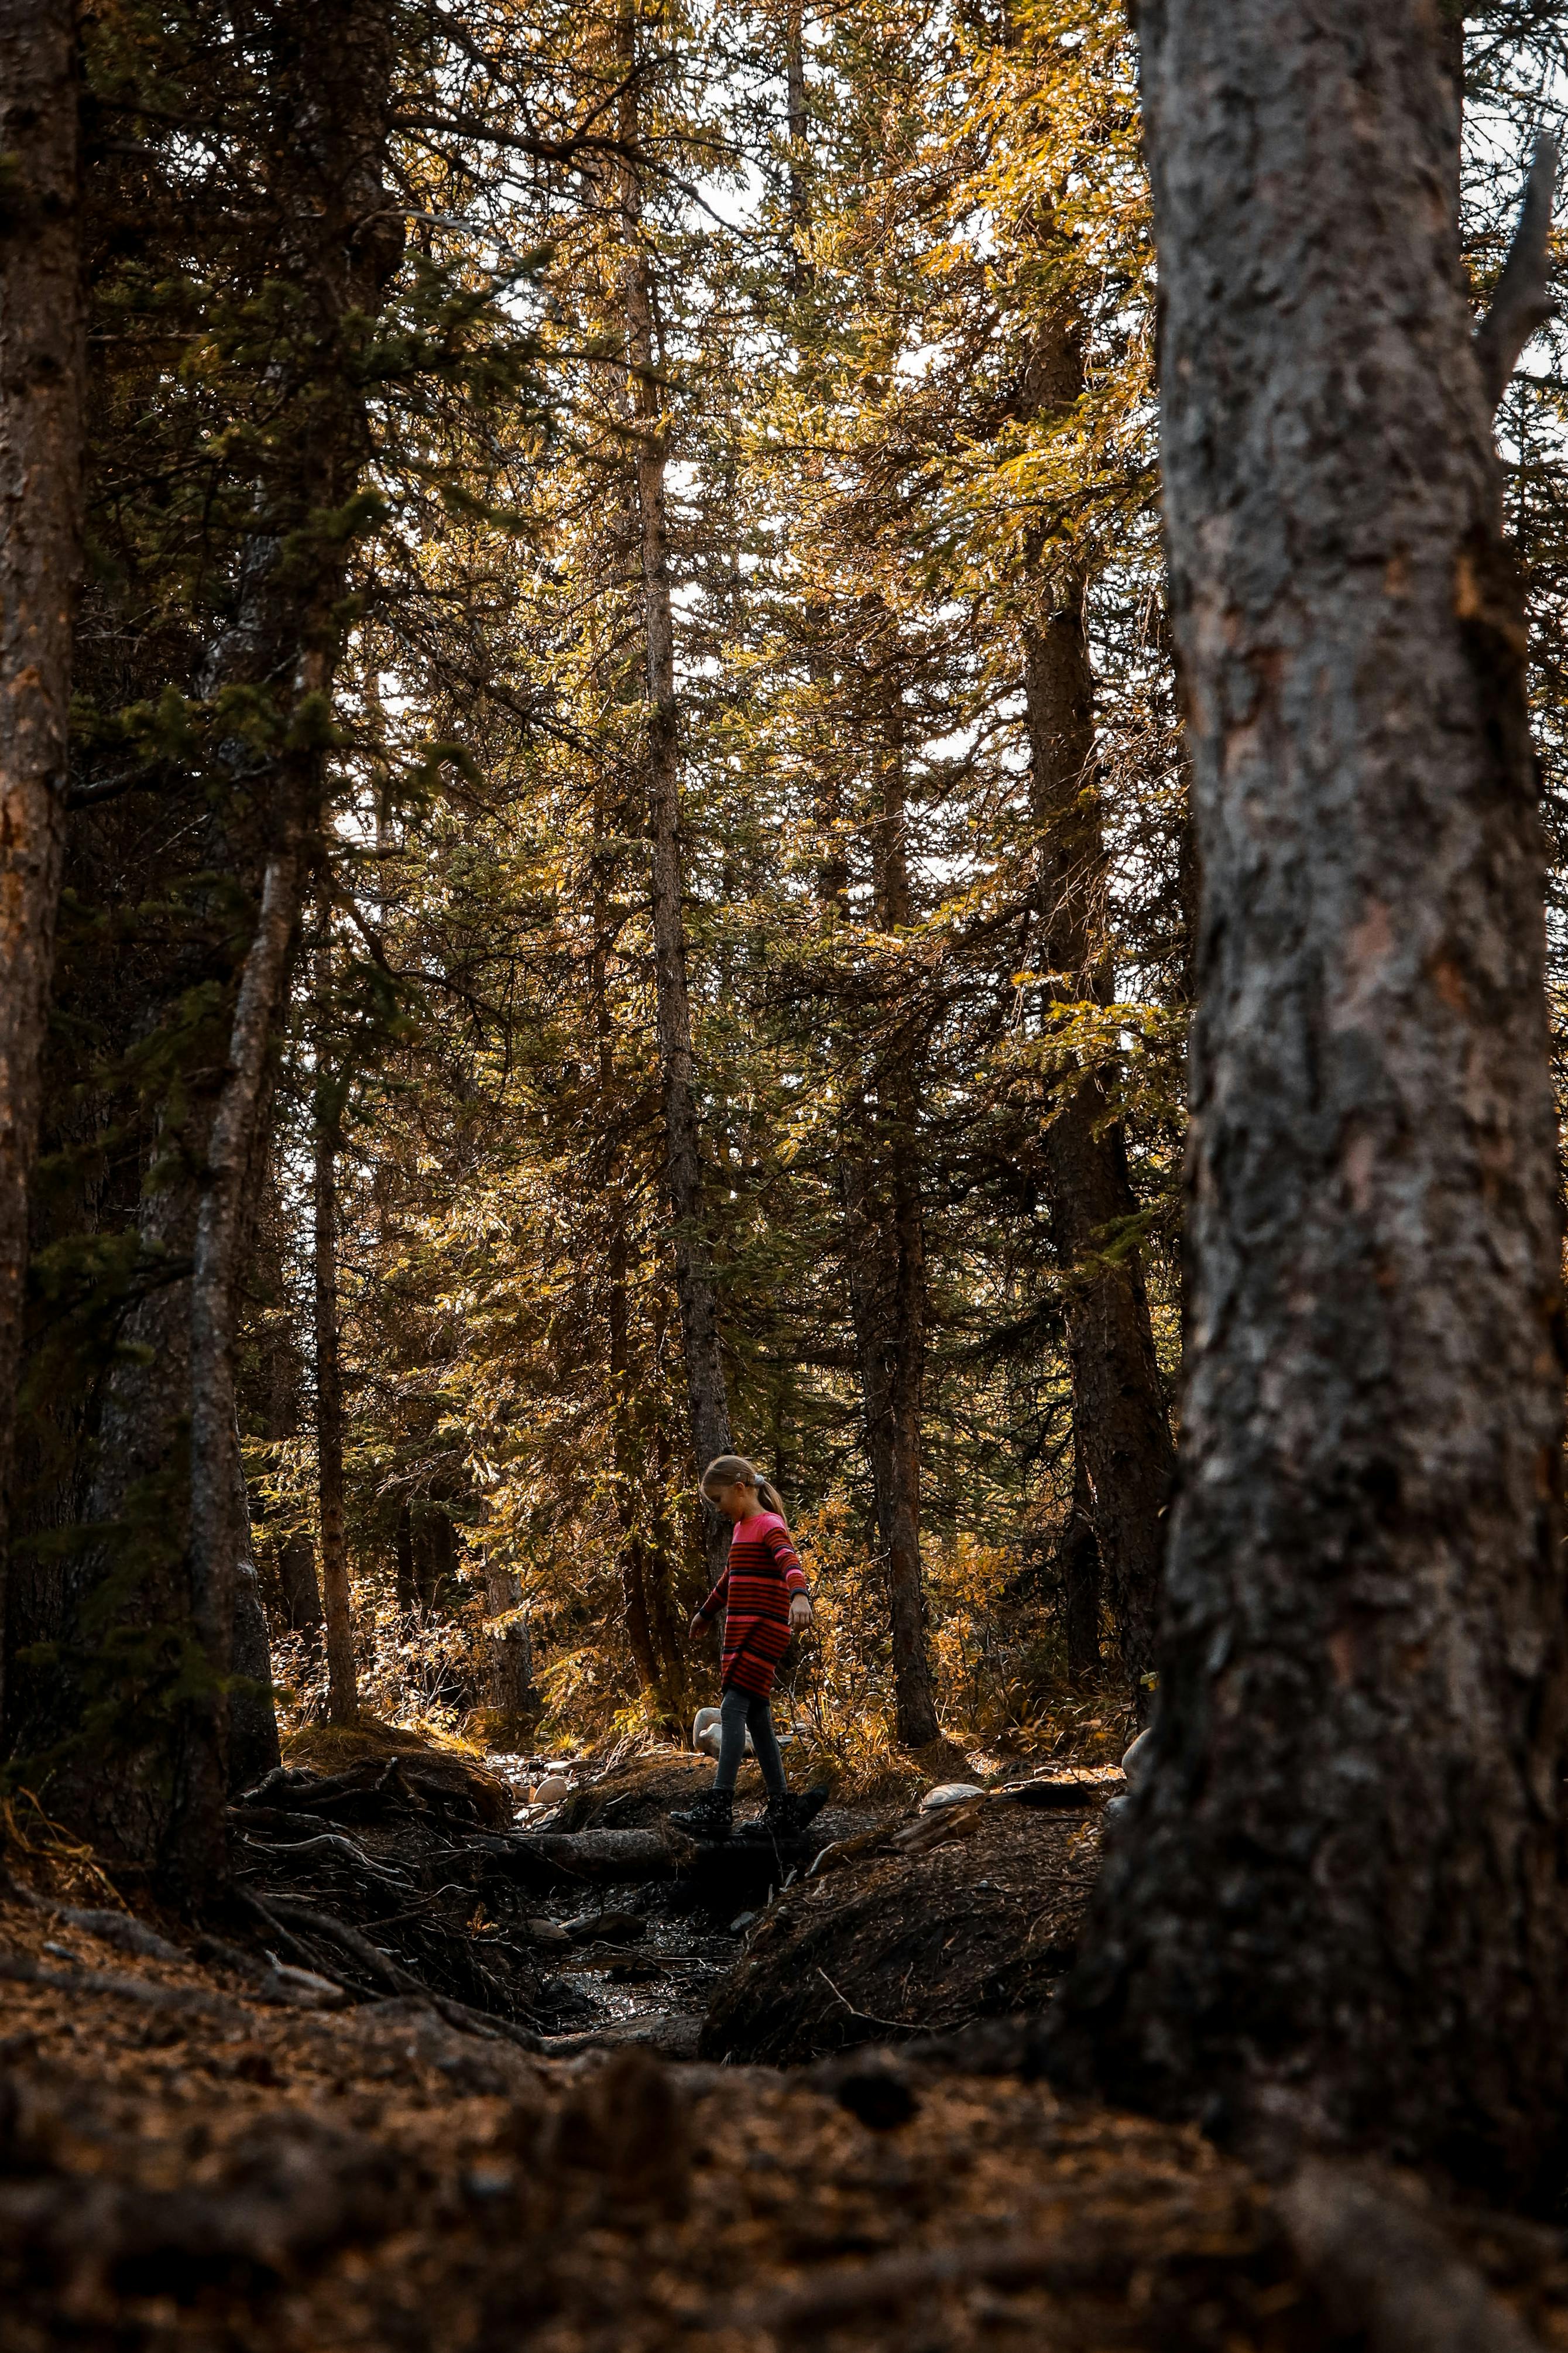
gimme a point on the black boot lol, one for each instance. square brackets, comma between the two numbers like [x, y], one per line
[787, 1816]
[709, 1818]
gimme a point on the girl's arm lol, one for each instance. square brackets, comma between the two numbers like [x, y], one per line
[788, 1559]
[777, 1541]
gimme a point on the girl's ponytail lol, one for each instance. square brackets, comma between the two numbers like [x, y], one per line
[769, 1494]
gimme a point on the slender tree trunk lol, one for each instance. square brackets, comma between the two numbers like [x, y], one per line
[707, 1403]
[885, 1232]
[886, 1259]
[799, 151]
[1080, 1579]
[42, 363]
[342, 1681]
[1336, 1908]
[295, 1554]
[624, 1416]
[301, 1588]
[1122, 1435]
[627, 1468]
[252, 1743]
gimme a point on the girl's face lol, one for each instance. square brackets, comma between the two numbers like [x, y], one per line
[737, 1500]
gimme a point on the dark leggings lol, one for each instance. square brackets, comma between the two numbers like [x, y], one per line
[740, 1713]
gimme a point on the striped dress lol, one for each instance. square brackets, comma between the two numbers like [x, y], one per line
[764, 1570]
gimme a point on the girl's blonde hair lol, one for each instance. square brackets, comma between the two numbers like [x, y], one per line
[732, 1469]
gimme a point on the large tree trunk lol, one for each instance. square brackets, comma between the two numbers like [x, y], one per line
[1337, 1902]
[1122, 1435]
[42, 362]
[707, 1403]
[157, 1571]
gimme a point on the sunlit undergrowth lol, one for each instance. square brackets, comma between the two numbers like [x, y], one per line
[1003, 1688]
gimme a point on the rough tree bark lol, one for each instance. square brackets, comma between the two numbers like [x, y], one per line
[1335, 1908]
[1122, 1435]
[342, 1681]
[885, 1259]
[707, 1403]
[42, 363]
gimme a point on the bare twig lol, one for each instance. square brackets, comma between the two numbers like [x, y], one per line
[1522, 302]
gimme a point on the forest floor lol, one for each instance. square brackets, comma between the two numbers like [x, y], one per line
[192, 2155]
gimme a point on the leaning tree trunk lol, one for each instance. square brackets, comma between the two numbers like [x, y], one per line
[219, 1530]
[42, 361]
[1122, 1435]
[1337, 1903]
[707, 1403]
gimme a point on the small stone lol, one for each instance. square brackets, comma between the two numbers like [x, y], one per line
[547, 1932]
[742, 1921]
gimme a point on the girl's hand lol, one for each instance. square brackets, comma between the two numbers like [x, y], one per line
[799, 1611]
[698, 1628]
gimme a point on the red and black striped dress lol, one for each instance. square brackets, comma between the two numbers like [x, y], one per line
[764, 1570]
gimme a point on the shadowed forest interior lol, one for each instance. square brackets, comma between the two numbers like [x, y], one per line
[834, 731]
[756, 493]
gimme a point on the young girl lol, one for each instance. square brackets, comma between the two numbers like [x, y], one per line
[765, 1598]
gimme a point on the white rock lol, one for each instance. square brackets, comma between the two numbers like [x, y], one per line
[1137, 1759]
[705, 1733]
[950, 1793]
[550, 1793]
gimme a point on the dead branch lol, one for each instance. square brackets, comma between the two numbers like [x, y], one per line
[1522, 302]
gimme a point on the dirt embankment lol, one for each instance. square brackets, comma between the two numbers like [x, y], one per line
[899, 1945]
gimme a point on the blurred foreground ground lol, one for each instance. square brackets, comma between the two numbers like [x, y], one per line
[185, 2165]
